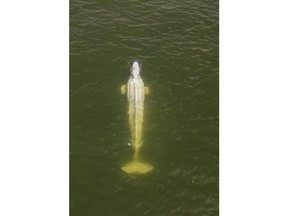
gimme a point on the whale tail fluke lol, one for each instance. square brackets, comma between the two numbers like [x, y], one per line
[137, 167]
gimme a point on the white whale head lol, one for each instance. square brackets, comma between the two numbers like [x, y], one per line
[135, 69]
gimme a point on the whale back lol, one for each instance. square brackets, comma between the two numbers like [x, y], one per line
[135, 91]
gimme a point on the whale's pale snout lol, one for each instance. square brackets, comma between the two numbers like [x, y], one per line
[135, 69]
[135, 64]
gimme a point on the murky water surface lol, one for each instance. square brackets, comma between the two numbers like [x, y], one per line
[176, 43]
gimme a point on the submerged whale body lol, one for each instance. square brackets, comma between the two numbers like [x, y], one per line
[136, 91]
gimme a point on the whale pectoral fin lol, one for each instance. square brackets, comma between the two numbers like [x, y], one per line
[123, 89]
[146, 90]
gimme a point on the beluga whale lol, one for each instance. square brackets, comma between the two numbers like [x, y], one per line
[136, 92]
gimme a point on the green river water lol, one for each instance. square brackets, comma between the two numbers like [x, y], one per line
[177, 45]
